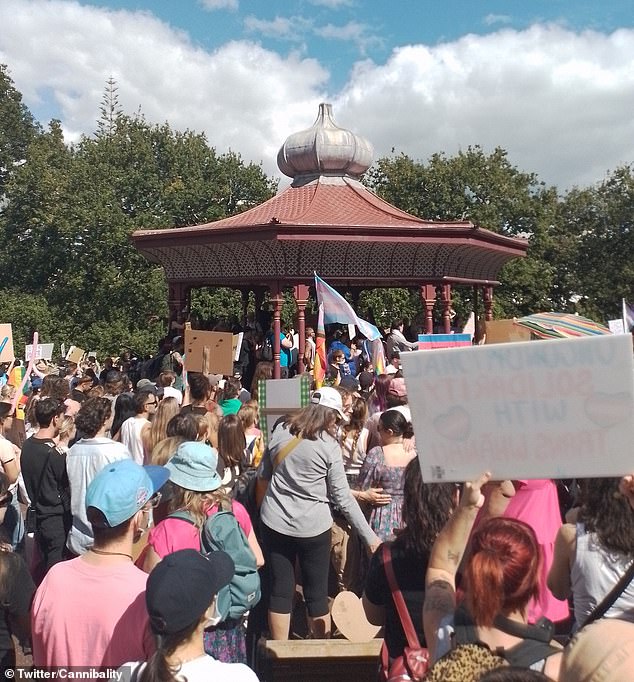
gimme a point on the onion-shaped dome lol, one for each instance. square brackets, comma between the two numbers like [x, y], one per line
[325, 149]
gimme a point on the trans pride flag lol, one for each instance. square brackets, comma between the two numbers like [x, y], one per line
[337, 309]
[628, 316]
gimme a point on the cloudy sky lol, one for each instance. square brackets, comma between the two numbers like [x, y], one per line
[551, 81]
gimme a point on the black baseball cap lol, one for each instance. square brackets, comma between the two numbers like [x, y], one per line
[181, 587]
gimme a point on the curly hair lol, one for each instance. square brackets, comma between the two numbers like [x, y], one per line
[608, 514]
[426, 509]
[92, 415]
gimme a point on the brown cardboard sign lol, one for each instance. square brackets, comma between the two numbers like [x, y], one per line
[505, 331]
[208, 352]
[6, 343]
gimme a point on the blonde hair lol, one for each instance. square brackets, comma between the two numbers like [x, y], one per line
[167, 408]
[196, 503]
[163, 451]
[248, 414]
[67, 427]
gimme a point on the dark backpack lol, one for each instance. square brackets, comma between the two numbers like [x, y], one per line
[221, 531]
[267, 348]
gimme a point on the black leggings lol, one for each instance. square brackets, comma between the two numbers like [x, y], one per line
[314, 560]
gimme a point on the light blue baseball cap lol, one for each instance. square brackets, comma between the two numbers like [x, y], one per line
[121, 488]
[193, 467]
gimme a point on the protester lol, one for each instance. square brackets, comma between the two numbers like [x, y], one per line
[232, 454]
[601, 652]
[305, 474]
[166, 381]
[167, 409]
[229, 402]
[198, 392]
[181, 598]
[135, 431]
[46, 481]
[426, 509]
[16, 594]
[196, 490]
[91, 611]
[249, 417]
[501, 575]
[82, 386]
[124, 408]
[396, 341]
[384, 468]
[86, 458]
[592, 555]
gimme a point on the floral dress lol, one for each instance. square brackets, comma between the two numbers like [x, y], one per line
[375, 473]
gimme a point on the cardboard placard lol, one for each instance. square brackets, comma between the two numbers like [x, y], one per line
[434, 341]
[6, 343]
[43, 351]
[505, 331]
[75, 354]
[560, 408]
[208, 352]
[617, 326]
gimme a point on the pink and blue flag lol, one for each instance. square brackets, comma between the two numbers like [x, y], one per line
[337, 309]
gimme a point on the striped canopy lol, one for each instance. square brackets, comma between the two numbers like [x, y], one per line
[561, 325]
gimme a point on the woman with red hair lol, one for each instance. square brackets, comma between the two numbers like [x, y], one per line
[501, 577]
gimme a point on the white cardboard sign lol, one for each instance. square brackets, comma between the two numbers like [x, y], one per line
[43, 351]
[538, 409]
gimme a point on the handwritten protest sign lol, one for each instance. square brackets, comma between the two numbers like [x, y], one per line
[538, 409]
[208, 352]
[43, 351]
[6, 343]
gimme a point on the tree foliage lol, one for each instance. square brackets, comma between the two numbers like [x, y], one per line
[69, 212]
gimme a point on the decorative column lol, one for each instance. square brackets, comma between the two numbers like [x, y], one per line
[446, 308]
[276, 301]
[177, 301]
[477, 332]
[245, 304]
[428, 296]
[488, 303]
[300, 294]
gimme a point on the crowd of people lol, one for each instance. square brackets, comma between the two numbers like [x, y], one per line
[112, 474]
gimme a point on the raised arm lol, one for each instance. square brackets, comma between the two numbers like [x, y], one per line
[446, 554]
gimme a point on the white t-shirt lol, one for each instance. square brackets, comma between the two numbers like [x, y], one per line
[130, 434]
[203, 669]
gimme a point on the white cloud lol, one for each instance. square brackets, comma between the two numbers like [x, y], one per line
[219, 4]
[559, 102]
[353, 31]
[492, 19]
[282, 28]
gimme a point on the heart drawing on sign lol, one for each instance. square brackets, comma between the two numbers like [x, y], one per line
[607, 409]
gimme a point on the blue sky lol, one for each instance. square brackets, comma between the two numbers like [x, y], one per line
[551, 81]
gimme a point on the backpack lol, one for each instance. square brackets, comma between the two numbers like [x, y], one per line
[535, 645]
[221, 531]
[267, 348]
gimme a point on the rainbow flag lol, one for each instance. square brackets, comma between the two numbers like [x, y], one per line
[378, 356]
[319, 370]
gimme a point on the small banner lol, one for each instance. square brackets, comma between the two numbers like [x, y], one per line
[279, 397]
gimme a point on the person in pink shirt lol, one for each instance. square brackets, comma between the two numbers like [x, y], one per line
[536, 503]
[91, 611]
[196, 490]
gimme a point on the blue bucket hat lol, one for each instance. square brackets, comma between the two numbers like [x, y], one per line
[120, 489]
[193, 467]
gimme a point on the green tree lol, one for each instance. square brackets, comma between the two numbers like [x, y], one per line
[17, 128]
[490, 192]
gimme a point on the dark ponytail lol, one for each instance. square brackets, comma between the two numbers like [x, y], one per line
[157, 669]
[397, 423]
